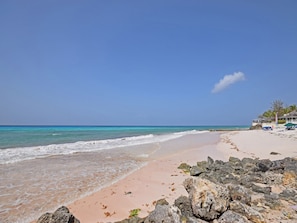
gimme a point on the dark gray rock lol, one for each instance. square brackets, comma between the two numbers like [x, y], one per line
[45, 218]
[232, 217]
[184, 205]
[196, 171]
[248, 179]
[289, 195]
[134, 219]
[210, 161]
[273, 178]
[203, 165]
[247, 165]
[290, 164]
[277, 166]
[275, 153]
[165, 214]
[208, 200]
[272, 201]
[263, 165]
[61, 215]
[258, 189]
[245, 210]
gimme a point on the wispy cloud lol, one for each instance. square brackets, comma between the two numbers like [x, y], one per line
[228, 80]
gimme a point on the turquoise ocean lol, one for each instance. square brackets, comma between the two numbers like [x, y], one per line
[44, 167]
[19, 143]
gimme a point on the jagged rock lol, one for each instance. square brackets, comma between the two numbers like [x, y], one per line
[134, 219]
[290, 164]
[245, 210]
[45, 218]
[196, 171]
[184, 205]
[232, 217]
[165, 214]
[222, 174]
[210, 161]
[289, 195]
[240, 193]
[258, 189]
[192, 220]
[263, 165]
[208, 200]
[272, 200]
[61, 215]
[162, 202]
[203, 165]
[277, 166]
[234, 160]
[272, 178]
[248, 164]
[247, 179]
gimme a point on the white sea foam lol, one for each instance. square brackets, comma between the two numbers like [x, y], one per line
[12, 155]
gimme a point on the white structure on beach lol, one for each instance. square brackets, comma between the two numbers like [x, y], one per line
[290, 117]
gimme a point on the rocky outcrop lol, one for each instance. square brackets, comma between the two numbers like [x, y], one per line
[164, 213]
[241, 191]
[61, 215]
[208, 200]
[237, 191]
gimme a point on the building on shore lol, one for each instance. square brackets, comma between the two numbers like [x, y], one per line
[289, 118]
[281, 121]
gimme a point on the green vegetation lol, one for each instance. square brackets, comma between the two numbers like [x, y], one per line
[134, 212]
[278, 108]
[185, 167]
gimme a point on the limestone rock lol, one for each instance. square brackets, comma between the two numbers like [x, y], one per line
[263, 165]
[134, 219]
[208, 200]
[258, 189]
[165, 214]
[232, 217]
[247, 211]
[240, 193]
[196, 171]
[61, 215]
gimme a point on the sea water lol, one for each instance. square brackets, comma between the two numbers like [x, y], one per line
[43, 167]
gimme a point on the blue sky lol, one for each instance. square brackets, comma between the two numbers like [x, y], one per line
[145, 62]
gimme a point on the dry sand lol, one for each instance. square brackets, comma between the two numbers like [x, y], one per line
[160, 178]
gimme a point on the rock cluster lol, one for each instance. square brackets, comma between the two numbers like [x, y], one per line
[61, 215]
[241, 191]
[237, 191]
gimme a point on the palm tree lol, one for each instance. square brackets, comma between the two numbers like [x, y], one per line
[292, 108]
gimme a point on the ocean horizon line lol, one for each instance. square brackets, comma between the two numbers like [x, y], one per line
[62, 125]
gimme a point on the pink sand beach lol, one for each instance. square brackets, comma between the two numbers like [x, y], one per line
[160, 177]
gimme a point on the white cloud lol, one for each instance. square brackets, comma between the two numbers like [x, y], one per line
[228, 80]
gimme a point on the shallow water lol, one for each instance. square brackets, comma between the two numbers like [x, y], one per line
[33, 187]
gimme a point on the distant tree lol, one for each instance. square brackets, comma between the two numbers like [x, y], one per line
[278, 107]
[268, 114]
[292, 108]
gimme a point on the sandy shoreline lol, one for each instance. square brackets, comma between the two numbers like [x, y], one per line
[160, 178]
